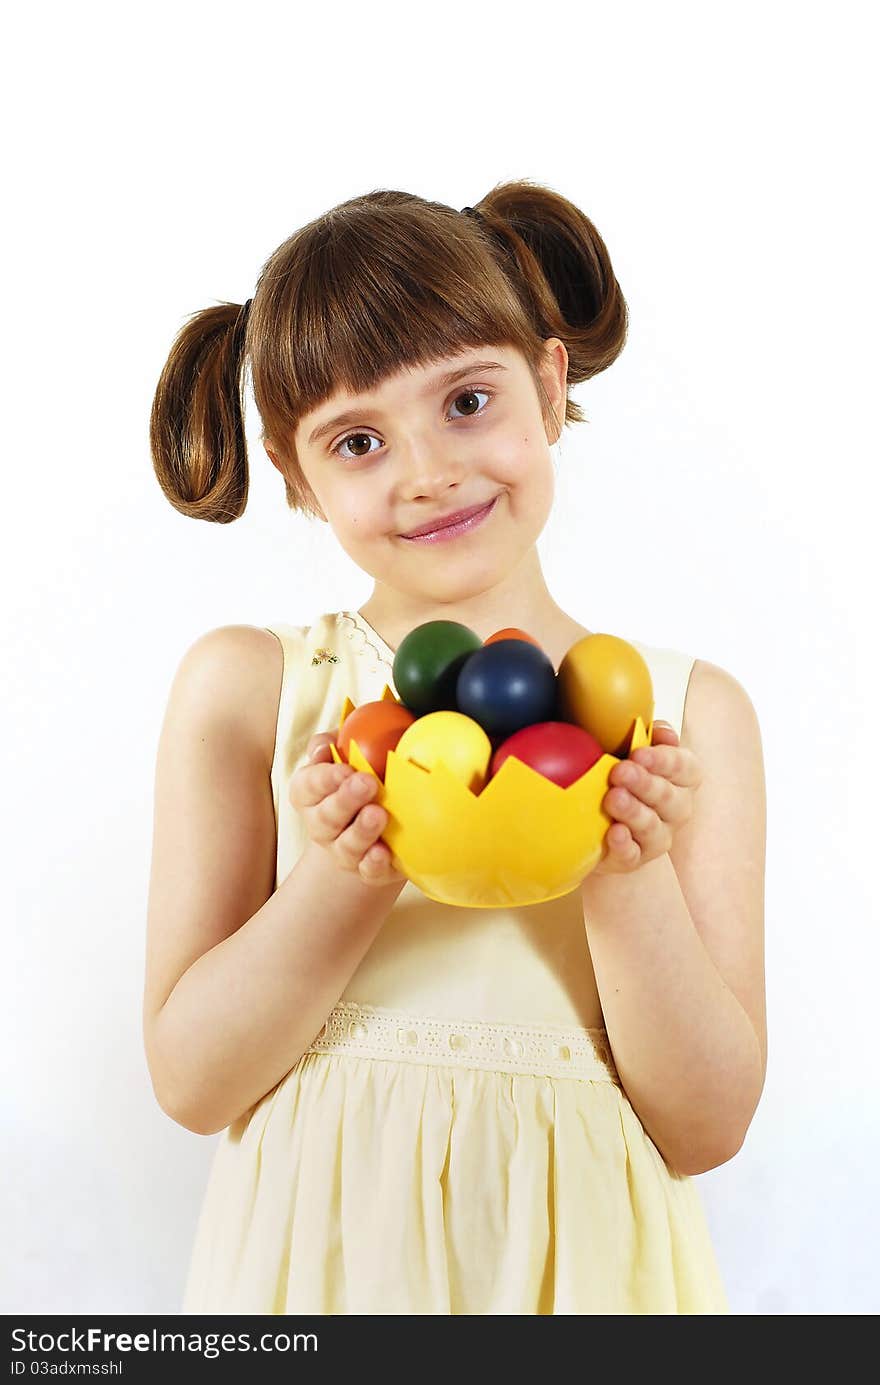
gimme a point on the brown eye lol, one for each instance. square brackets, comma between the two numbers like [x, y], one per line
[469, 394]
[358, 438]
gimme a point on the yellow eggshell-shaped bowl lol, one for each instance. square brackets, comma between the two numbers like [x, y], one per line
[522, 840]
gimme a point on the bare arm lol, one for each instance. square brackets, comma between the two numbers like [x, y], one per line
[240, 979]
[677, 947]
[241, 1016]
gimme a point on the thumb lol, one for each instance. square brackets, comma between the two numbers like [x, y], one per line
[317, 745]
[660, 725]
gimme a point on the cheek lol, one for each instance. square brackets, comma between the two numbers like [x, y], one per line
[357, 520]
[528, 470]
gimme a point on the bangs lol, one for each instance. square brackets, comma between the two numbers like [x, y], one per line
[371, 294]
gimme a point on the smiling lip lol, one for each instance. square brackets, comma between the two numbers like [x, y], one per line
[449, 525]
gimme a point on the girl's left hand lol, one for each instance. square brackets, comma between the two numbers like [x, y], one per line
[648, 803]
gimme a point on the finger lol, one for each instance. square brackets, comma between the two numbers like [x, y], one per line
[664, 732]
[375, 860]
[642, 821]
[377, 866]
[352, 844]
[629, 852]
[673, 762]
[334, 814]
[313, 783]
[619, 837]
[622, 851]
[669, 802]
[319, 745]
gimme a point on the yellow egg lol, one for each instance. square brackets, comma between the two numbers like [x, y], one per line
[604, 684]
[457, 740]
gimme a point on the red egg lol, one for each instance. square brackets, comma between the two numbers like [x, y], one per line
[510, 632]
[376, 727]
[557, 749]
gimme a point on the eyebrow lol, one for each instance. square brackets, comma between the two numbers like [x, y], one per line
[440, 382]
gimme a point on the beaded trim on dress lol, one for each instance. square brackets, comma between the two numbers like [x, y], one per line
[550, 1050]
[355, 632]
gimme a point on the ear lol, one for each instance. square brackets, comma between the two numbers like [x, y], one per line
[554, 372]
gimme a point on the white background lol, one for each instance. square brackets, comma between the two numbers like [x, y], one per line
[719, 501]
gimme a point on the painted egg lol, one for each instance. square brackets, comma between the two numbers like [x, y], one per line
[459, 742]
[507, 685]
[556, 749]
[376, 727]
[510, 632]
[427, 663]
[604, 684]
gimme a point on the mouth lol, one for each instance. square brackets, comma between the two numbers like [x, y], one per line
[444, 532]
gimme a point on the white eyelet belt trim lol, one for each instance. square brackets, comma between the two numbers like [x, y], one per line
[368, 1031]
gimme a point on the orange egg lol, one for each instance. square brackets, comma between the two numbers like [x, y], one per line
[510, 632]
[375, 727]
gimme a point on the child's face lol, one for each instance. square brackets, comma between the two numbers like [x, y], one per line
[419, 448]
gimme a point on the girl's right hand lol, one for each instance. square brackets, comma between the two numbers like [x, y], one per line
[338, 819]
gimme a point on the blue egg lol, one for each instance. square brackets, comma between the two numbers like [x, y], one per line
[507, 685]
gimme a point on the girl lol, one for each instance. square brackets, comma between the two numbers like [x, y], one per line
[429, 1109]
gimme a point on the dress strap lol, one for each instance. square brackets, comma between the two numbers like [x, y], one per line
[670, 675]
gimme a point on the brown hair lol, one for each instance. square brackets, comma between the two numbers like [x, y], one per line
[382, 282]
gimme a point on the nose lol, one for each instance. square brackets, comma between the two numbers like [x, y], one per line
[428, 469]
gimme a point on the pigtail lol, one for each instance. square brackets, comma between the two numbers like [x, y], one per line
[197, 436]
[560, 266]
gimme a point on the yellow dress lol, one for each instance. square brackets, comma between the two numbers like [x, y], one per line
[455, 1140]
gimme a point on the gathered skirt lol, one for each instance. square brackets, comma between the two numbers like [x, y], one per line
[414, 1165]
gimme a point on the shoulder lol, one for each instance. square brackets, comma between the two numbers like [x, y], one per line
[715, 697]
[236, 672]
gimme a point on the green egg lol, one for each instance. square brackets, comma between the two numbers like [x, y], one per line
[428, 662]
